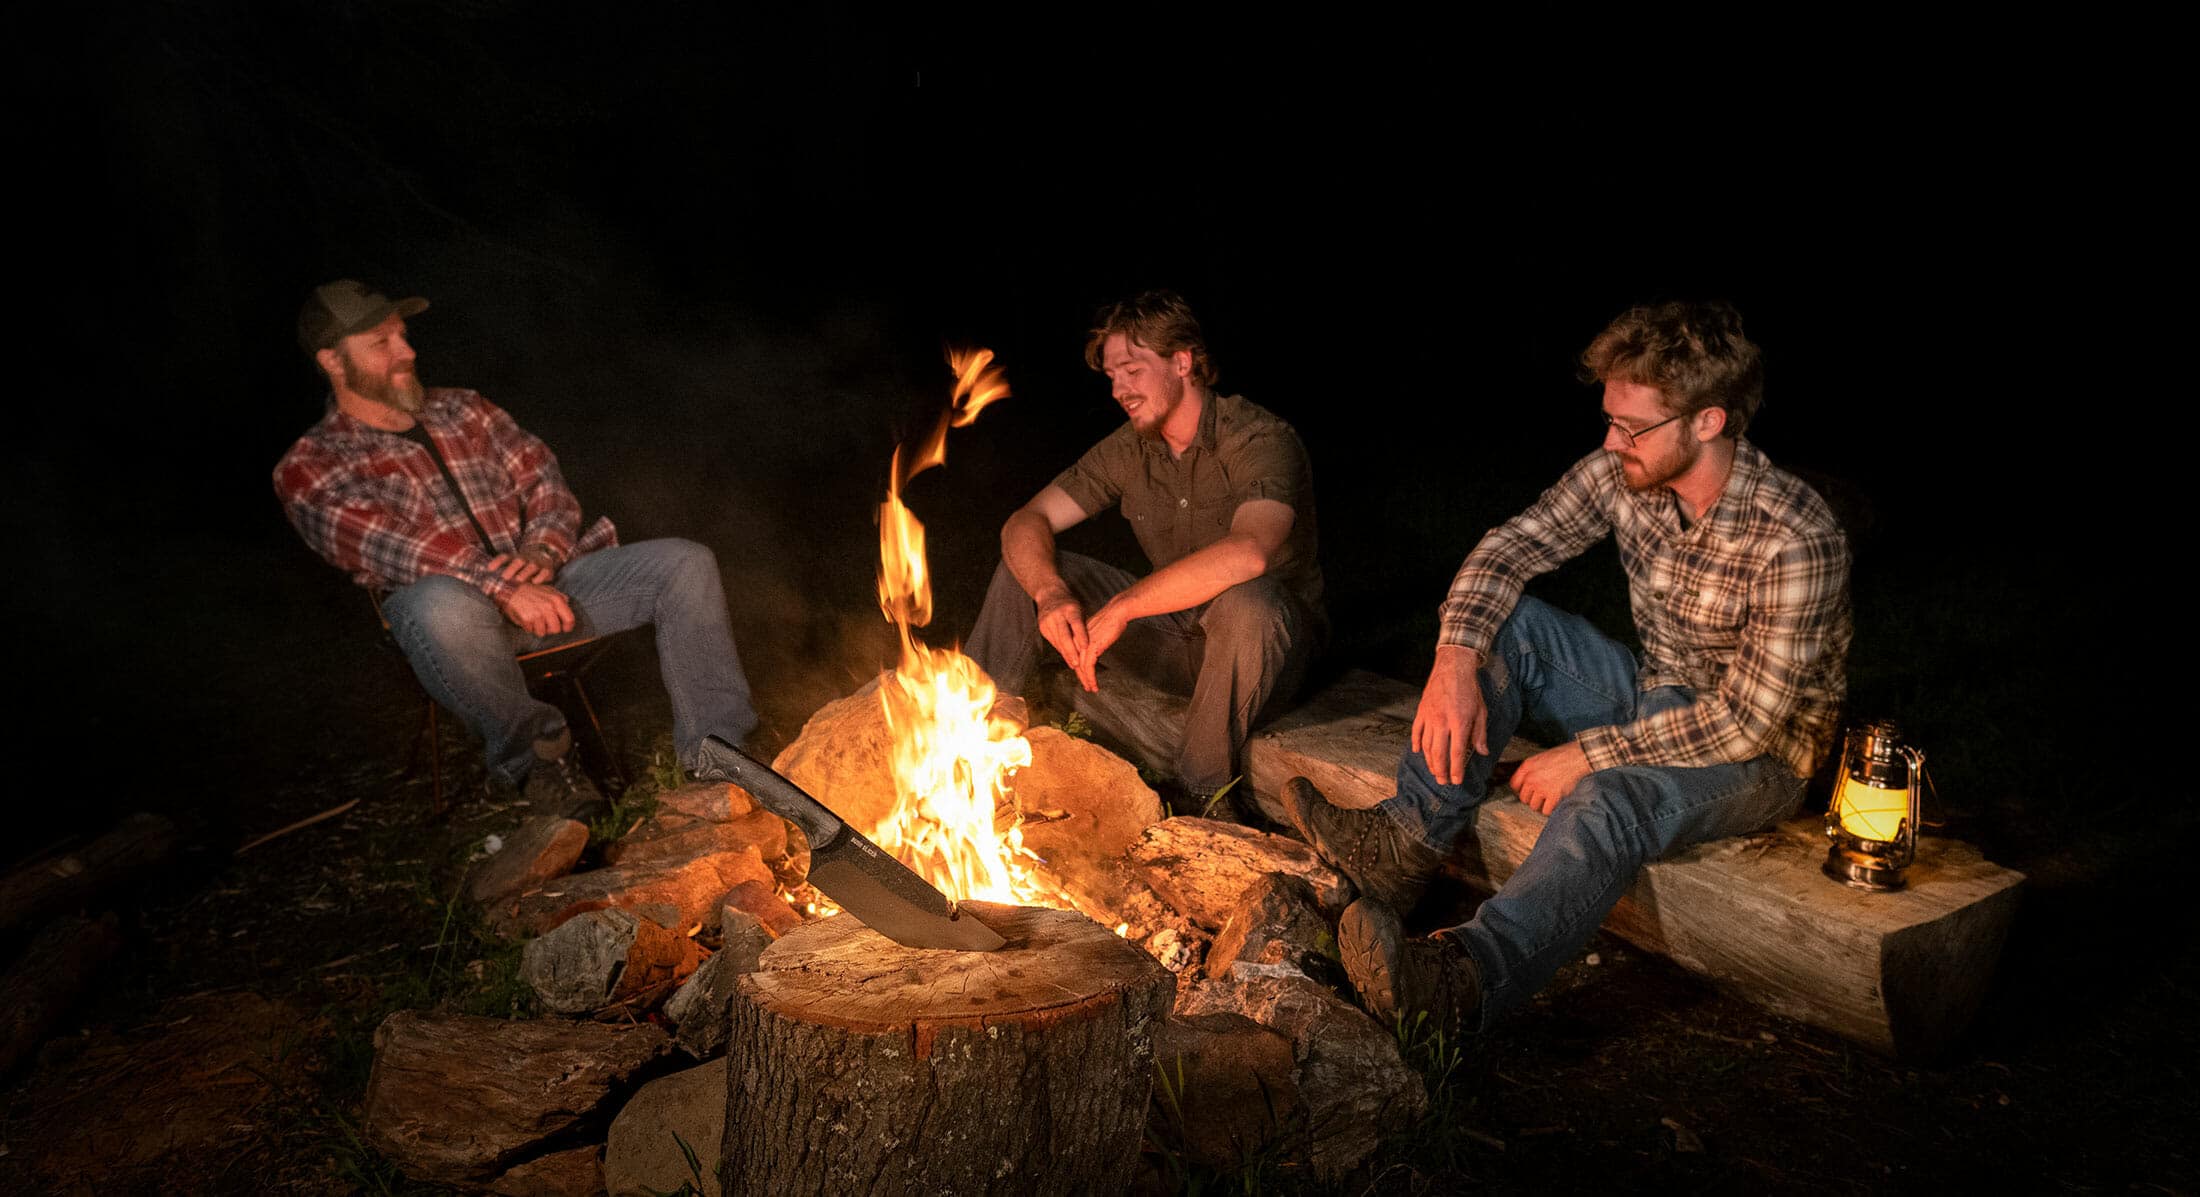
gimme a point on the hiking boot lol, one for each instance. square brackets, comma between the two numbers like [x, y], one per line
[1400, 979]
[556, 784]
[1381, 858]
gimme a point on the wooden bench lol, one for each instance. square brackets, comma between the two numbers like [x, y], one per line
[1900, 973]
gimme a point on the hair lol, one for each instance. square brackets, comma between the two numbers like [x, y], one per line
[1693, 353]
[1157, 320]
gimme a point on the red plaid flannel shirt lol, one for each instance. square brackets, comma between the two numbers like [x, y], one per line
[1749, 606]
[374, 505]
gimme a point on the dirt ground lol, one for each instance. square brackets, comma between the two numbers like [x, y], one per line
[227, 1049]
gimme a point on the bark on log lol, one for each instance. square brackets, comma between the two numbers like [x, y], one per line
[857, 1065]
[1900, 973]
[48, 886]
[39, 988]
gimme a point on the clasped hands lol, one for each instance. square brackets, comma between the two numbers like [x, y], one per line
[534, 604]
[1452, 719]
[1080, 640]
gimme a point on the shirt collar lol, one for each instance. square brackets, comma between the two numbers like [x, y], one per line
[1729, 517]
[1204, 438]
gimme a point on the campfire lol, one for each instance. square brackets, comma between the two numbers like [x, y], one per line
[955, 822]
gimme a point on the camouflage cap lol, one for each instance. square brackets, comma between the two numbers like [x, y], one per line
[337, 310]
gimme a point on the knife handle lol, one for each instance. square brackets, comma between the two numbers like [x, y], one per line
[724, 762]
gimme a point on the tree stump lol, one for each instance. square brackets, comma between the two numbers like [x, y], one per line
[856, 1065]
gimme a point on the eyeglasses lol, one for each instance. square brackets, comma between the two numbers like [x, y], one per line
[1633, 436]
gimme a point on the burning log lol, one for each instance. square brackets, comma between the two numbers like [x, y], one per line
[858, 1065]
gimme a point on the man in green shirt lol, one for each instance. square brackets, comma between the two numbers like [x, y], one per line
[1220, 495]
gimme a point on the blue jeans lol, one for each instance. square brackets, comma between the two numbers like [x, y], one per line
[462, 648]
[1558, 670]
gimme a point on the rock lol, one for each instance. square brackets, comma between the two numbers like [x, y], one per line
[1203, 867]
[643, 1158]
[540, 849]
[575, 1172]
[762, 902]
[1277, 921]
[1175, 950]
[1350, 1080]
[699, 1008]
[459, 1100]
[687, 892]
[706, 802]
[708, 817]
[1093, 807]
[605, 956]
[843, 758]
[1228, 1088]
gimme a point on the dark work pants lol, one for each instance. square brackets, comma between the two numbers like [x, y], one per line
[1234, 655]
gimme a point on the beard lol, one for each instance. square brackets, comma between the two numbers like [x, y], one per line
[1649, 474]
[399, 389]
[1154, 411]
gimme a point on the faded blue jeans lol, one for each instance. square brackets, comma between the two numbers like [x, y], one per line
[462, 648]
[1556, 670]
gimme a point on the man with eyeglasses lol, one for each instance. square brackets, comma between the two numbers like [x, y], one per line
[1738, 580]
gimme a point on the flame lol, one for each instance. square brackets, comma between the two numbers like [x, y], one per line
[952, 755]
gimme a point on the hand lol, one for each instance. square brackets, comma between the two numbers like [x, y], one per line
[1062, 622]
[519, 567]
[544, 558]
[1452, 718]
[1101, 632]
[540, 609]
[1550, 775]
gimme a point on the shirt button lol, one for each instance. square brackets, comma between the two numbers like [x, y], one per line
[1183, 502]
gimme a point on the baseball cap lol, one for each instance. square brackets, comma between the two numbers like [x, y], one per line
[337, 310]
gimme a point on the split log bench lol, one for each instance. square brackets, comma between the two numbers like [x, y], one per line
[1900, 973]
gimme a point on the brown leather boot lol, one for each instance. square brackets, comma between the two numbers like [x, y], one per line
[1400, 979]
[1382, 860]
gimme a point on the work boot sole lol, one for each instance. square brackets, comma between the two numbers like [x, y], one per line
[1371, 939]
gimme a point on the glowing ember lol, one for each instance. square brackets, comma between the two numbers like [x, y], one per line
[952, 754]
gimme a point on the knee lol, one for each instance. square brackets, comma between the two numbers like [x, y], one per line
[443, 609]
[685, 565]
[1255, 610]
[685, 556]
[1530, 616]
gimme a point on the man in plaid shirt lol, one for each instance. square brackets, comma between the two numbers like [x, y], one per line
[436, 497]
[1738, 579]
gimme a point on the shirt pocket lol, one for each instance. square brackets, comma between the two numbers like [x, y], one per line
[1210, 519]
[1713, 615]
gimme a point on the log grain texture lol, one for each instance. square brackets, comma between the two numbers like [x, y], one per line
[1900, 973]
[856, 1065]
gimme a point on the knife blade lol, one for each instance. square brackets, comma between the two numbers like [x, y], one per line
[848, 867]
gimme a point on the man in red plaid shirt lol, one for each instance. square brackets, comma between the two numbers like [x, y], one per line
[438, 498]
[1738, 578]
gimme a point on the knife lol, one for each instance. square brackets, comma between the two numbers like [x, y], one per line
[850, 869]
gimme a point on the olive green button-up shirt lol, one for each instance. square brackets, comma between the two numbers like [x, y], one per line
[1179, 505]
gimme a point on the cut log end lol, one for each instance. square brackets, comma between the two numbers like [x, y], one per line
[855, 1063]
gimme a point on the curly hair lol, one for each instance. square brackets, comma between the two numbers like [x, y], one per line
[1157, 320]
[1693, 353]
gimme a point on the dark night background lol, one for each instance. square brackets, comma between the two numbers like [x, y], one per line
[715, 263]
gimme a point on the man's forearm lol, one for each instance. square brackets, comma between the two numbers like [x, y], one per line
[1191, 580]
[1027, 545]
